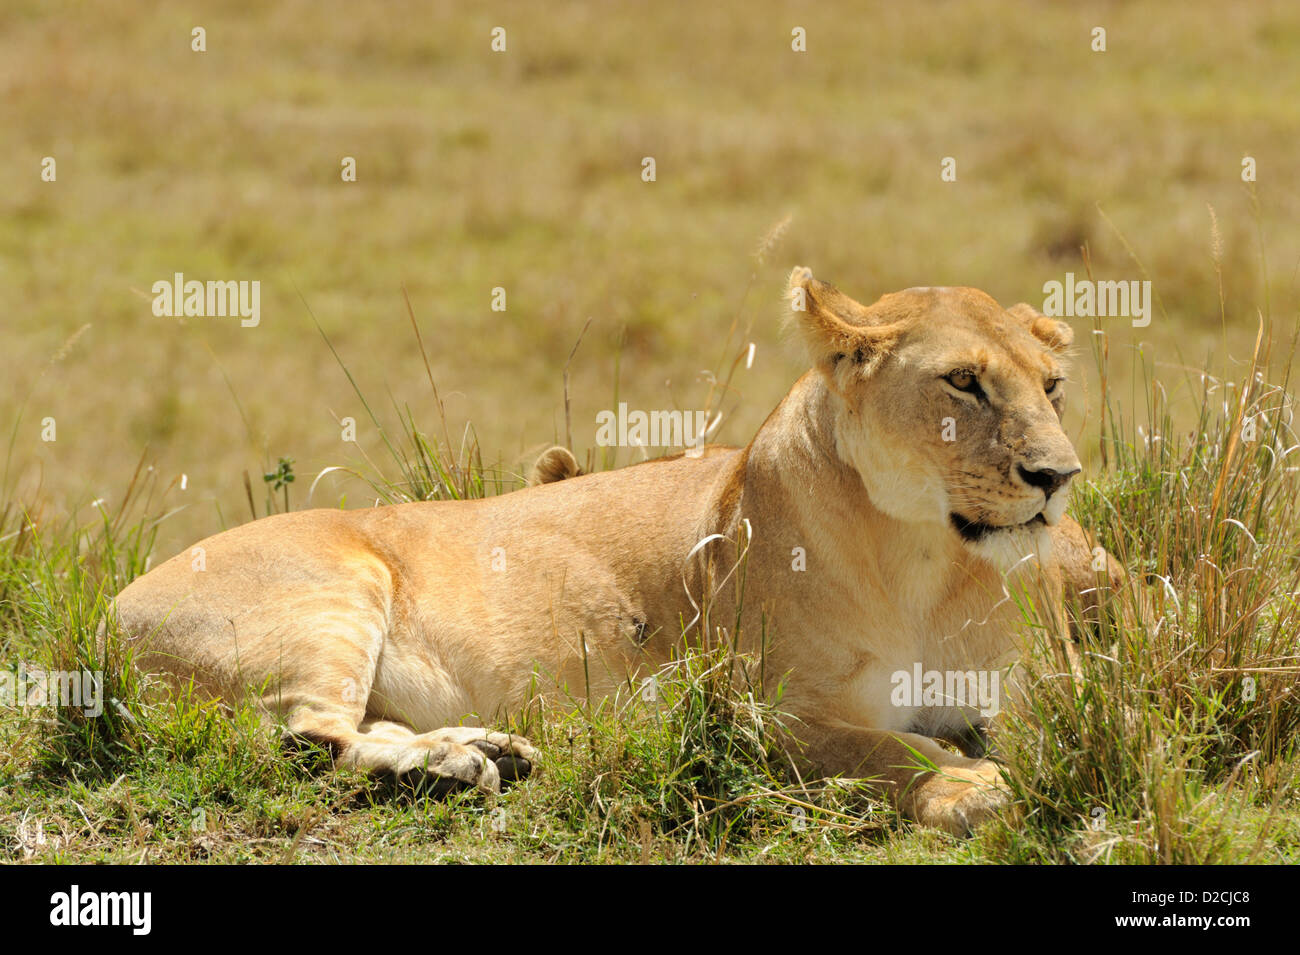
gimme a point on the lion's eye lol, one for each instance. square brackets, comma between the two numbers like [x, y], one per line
[1052, 385]
[963, 381]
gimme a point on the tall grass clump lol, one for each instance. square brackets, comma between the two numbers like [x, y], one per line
[419, 466]
[56, 581]
[1177, 740]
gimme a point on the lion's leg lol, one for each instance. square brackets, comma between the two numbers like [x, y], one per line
[956, 795]
[323, 699]
[452, 757]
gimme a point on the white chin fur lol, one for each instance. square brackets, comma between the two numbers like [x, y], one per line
[1055, 508]
[1015, 549]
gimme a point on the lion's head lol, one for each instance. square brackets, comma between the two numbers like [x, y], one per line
[949, 406]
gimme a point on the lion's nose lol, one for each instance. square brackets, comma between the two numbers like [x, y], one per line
[1049, 479]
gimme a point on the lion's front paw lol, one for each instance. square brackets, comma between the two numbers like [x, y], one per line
[444, 767]
[957, 799]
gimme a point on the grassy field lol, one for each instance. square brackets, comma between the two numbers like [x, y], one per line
[522, 170]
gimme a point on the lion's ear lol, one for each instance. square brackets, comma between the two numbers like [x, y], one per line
[836, 329]
[555, 464]
[1056, 335]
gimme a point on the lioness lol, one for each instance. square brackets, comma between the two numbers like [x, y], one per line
[900, 493]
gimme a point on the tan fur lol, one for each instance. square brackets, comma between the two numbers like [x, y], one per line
[375, 630]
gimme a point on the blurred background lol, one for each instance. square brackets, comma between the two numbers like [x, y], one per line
[523, 170]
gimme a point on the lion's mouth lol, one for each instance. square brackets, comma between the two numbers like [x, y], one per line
[975, 531]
